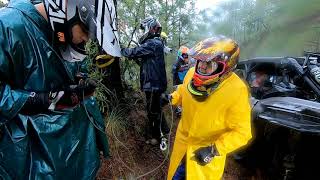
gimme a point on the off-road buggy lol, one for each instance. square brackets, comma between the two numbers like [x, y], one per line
[285, 116]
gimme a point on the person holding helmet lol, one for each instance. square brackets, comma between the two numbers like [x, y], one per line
[51, 124]
[215, 119]
[182, 65]
[153, 79]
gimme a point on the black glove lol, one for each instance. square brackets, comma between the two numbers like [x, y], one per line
[72, 95]
[165, 99]
[63, 99]
[204, 155]
[43, 102]
[85, 87]
[36, 103]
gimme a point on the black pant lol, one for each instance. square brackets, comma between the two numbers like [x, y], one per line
[155, 115]
[176, 80]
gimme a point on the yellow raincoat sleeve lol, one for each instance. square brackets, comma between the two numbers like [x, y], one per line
[176, 96]
[238, 122]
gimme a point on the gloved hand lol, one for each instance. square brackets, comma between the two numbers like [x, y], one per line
[85, 87]
[43, 102]
[68, 97]
[165, 99]
[73, 94]
[63, 99]
[36, 103]
[204, 155]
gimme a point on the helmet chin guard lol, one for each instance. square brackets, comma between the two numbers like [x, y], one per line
[221, 51]
[71, 55]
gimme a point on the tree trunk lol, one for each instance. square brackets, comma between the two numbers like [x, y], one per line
[113, 81]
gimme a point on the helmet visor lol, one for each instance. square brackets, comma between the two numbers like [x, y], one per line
[206, 68]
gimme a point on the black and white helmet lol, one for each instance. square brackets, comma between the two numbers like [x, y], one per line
[96, 17]
[151, 27]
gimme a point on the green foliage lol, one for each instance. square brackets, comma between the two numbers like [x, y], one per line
[176, 18]
[116, 122]
[291, 11]
[291, 29]
[262, 28]
[106, 98]
[130, 72]
[266, 27]
[170, 59]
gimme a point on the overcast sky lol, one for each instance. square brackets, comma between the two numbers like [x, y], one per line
[203, 4]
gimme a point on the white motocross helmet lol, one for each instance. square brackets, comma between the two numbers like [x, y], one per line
[96, 17]
[151, 27]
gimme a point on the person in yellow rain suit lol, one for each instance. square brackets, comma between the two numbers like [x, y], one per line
[216, 112]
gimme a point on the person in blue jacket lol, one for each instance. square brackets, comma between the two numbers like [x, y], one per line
[51, 126]
[181, 66]
[179, 70]
[153, 78]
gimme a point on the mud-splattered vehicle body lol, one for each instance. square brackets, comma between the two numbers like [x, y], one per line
[286, 115]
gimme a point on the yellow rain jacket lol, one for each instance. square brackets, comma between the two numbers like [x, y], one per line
[222, 119]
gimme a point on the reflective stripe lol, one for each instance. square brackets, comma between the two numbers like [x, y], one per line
[194, 92]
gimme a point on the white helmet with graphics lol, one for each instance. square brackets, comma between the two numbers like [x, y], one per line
[151, 27]
[95, 17]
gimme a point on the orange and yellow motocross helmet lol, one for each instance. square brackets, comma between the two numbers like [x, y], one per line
[215, 58]
[183, 52]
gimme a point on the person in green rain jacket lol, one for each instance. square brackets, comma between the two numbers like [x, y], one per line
[50, 124]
